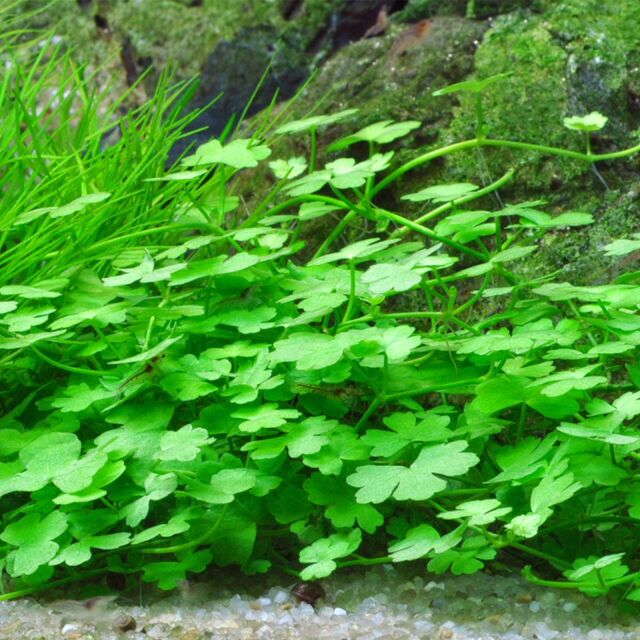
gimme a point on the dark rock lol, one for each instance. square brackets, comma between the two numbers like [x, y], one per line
[233, 72]
[350, 23]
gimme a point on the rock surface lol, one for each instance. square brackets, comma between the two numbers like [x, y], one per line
[563, 59]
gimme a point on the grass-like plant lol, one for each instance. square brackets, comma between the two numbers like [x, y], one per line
[182, 390]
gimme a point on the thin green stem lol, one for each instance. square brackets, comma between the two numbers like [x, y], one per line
[292, 202]
[434, 388]
[365, 562]
[352, 293]
[148, 232]
[395, 316]
[414, 226]
[479, 117]
[338, 229]
[528, 574]
[540, 554]
[66, 367]
[557, 151]
[489, 142]
[434, 213]
[314, 150]
[192, 543]
[419, 161]
[371, 409]
[474, 298]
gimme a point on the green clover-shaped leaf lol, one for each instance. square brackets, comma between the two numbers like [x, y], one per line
[471, 86]
[313, 122]
[467, 559]
[477, 512]
[183, 444]
[34, 536]
[593, 121]
[290, 168]
[342, 508]
[238, 153]
[405, 429]
[381, 132]
[442, 192]
[167, 575]
[418, 482]
[417, 543]
[592, 574]
[324, 552]
[266, 416]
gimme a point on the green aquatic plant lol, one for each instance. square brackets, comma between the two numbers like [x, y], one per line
[182, 389]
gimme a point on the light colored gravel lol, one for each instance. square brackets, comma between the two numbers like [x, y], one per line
[379, 604]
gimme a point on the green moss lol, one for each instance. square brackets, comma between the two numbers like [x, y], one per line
[418, 9]
[571, 60]
[167, 32]
[529, 105]
[171, 33]
[365, 76]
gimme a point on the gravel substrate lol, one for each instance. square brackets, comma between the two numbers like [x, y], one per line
[380, 604]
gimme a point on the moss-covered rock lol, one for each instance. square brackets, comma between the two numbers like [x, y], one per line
[229, 45]
[175, 32]
[418, 9]
[563, 59]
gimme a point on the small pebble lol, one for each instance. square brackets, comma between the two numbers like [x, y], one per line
[70, 628]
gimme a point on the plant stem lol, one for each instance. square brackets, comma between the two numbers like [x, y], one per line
[539, 554]
[494, 186]
[352, 293]
[314, 150]
[66, 367]
[192, 543]
[420, 160]
[365, 562]
[414, 226]
[339, 228]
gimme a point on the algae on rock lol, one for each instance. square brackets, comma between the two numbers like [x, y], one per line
[564, 59]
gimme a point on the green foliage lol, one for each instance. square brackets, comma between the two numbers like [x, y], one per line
[471, 86]
[593, 121]
[184, 387]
